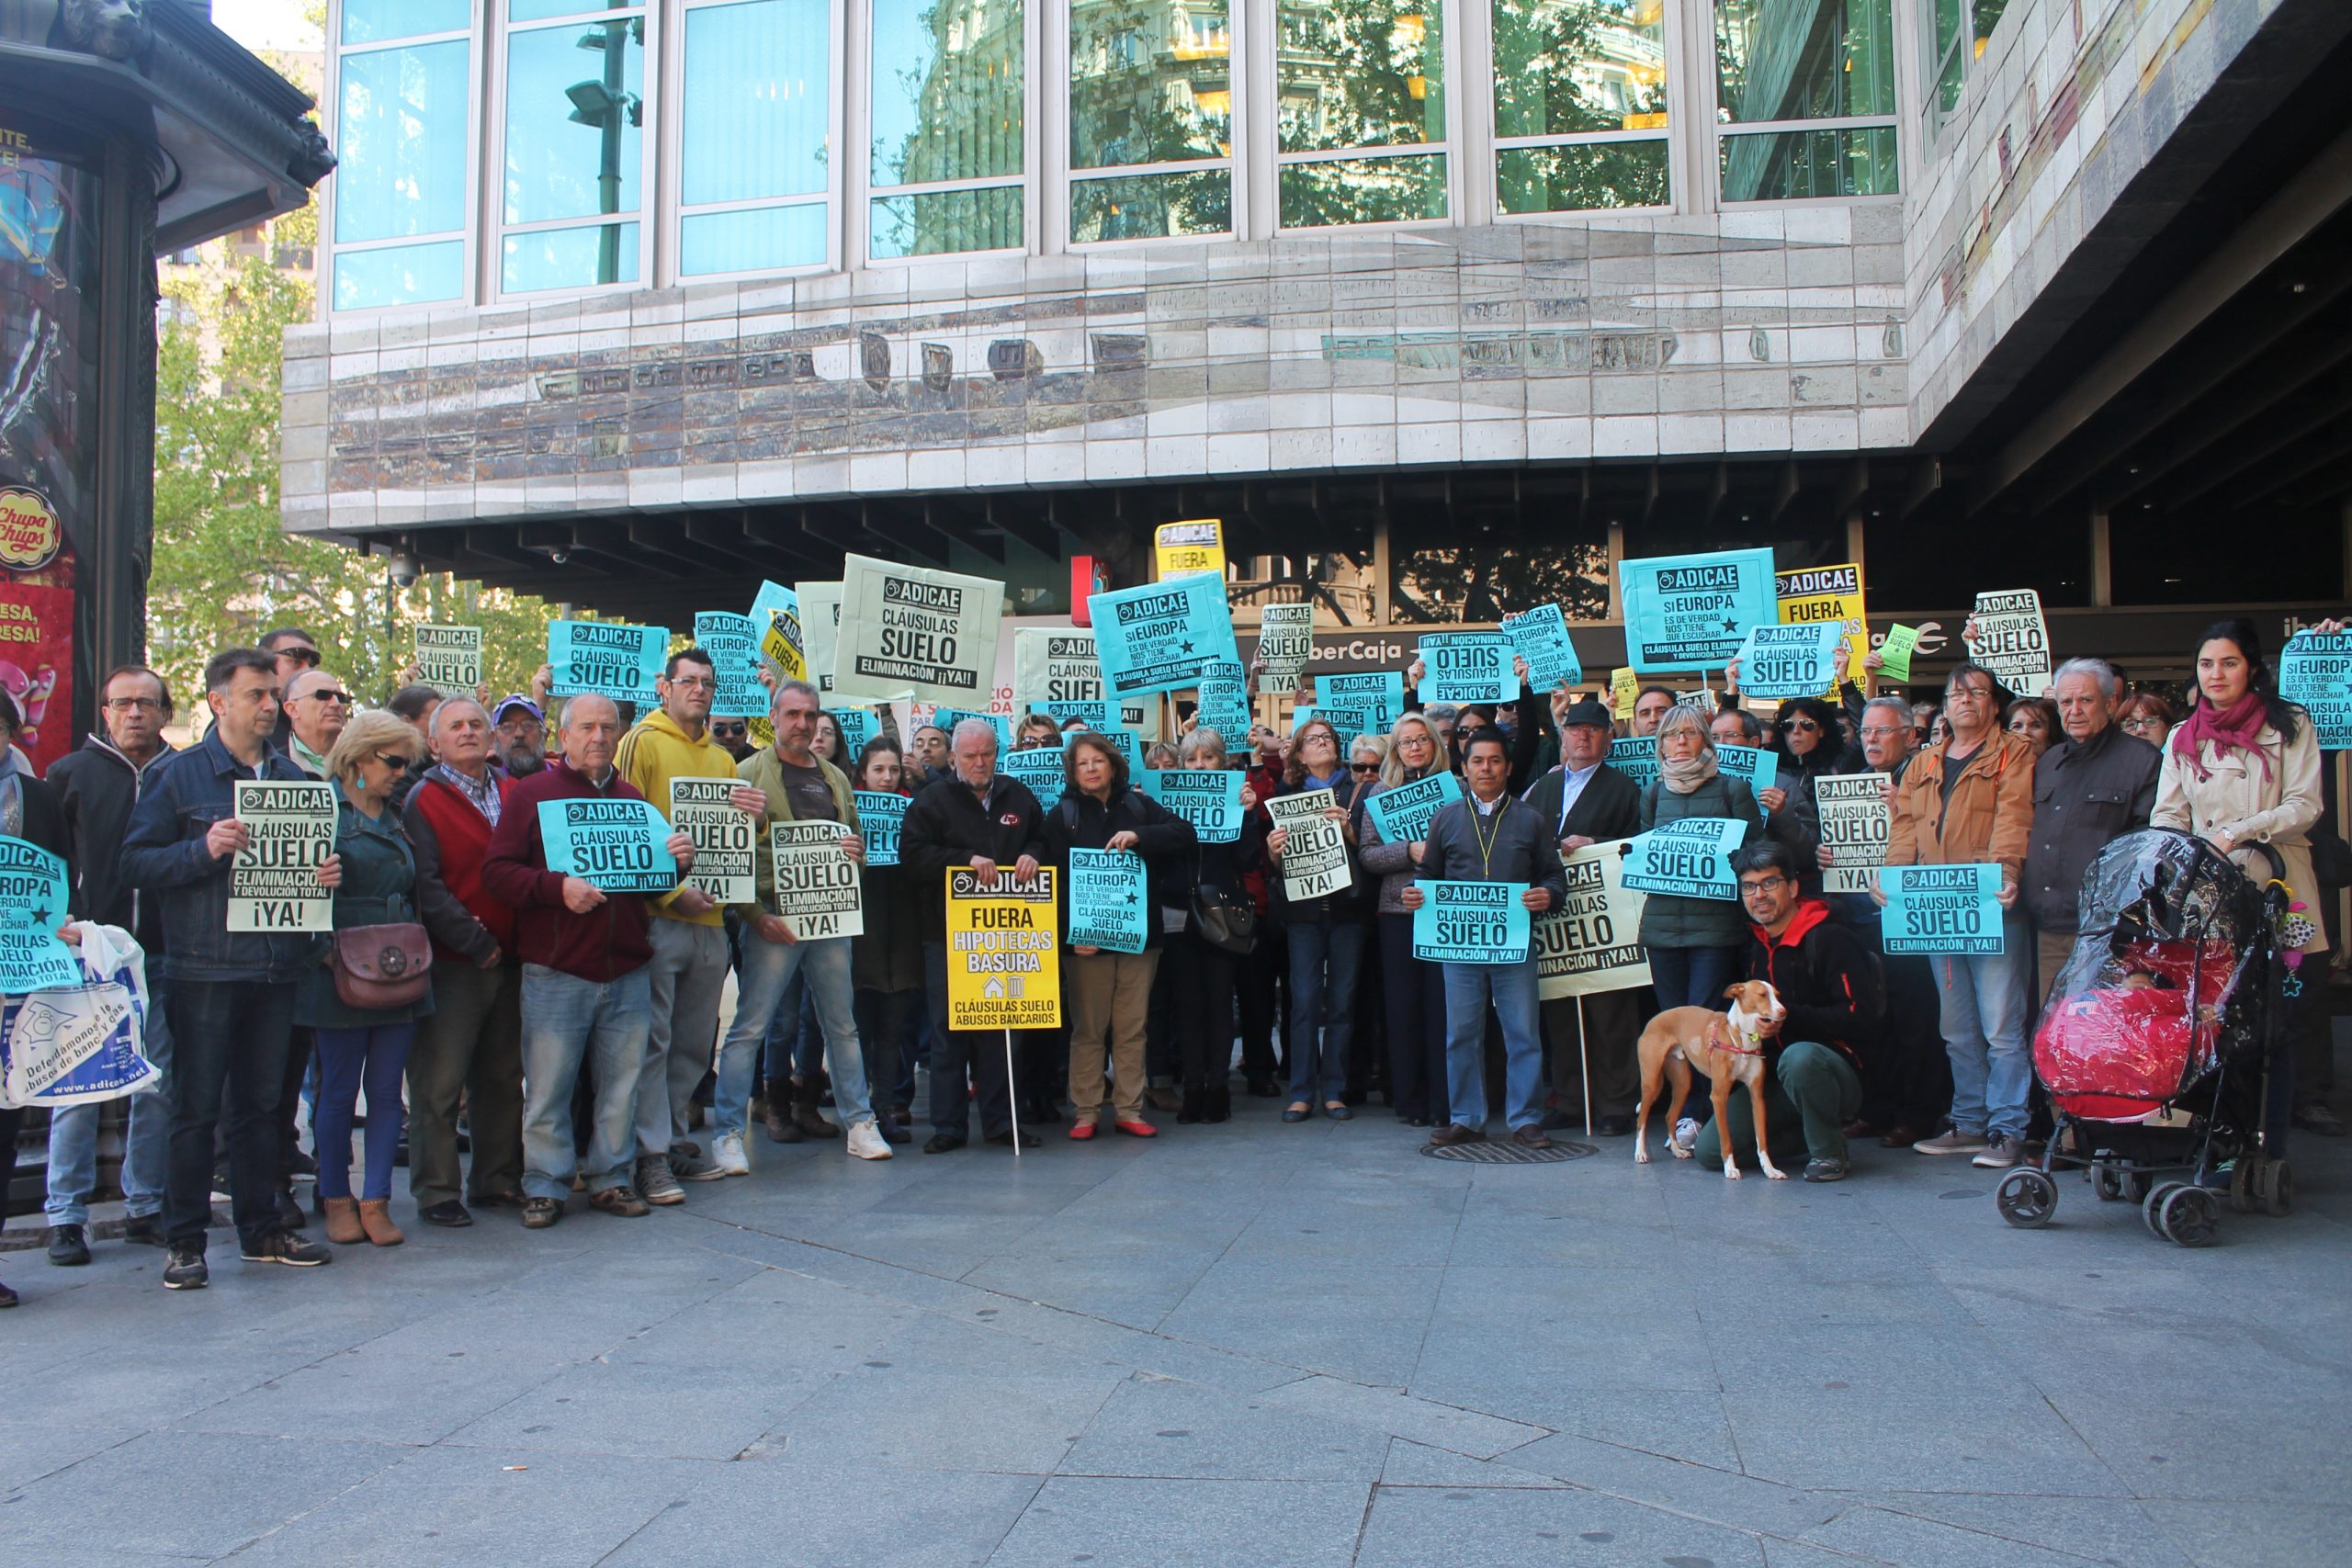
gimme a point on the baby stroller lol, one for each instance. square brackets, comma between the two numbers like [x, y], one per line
[2155, 1040]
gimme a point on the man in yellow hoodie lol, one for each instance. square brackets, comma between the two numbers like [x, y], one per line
[688, 933]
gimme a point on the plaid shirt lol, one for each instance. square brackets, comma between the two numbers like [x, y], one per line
[484, 794]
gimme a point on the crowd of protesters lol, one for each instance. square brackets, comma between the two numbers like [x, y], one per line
[571, 1042]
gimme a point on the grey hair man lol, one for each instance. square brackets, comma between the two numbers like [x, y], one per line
[968, 817]
[2092, 787]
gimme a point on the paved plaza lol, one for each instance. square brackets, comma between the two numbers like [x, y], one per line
[1248, 1344]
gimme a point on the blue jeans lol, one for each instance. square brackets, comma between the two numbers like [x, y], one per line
[1511, 987]
[1321, 951]
[229, 1045]
[568, 1021]
[761, 984]
[147, 1142]
[348, 1058]
[1986, 1012]
[1692, 977]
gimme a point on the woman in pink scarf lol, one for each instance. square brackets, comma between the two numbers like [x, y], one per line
[2243, 769]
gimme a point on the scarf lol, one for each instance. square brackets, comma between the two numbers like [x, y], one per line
[1685, 776]
[2232, 729]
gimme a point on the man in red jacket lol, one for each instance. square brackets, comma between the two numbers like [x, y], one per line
[471, 1046]
[585, 995]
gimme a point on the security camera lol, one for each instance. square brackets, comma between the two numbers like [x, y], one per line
[561, 558]
[403, 567]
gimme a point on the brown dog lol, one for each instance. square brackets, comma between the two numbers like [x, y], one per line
[1728, 1047]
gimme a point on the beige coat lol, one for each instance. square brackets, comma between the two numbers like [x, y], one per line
[2236, 798]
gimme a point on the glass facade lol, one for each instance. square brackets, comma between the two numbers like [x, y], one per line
[1805, 98]
[628, 142]
[1953, 33]
[1580, 105]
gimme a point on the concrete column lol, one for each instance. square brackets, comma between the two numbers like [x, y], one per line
[2102, 566]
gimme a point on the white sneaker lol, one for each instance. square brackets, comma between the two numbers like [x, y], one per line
[865, 1140]
[728, 1152]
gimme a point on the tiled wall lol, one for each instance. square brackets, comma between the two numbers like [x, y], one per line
[2068, 103]
[1749, 332]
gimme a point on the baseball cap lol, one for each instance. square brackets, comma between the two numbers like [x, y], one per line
[515, 700]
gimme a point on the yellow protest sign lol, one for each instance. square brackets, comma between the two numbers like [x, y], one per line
[1003, 951]
[1819, 594]
[1623, 687]
[1196, 546]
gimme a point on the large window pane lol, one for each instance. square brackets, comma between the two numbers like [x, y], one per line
[1838, 161]
[1150, 83]
[1358, 73]
[752, 241]
[402, 142]
[574, 109]
[1149, 207]
[373, 21]
[757, 107]
[569, 258]
[947, 90]
[540, 10]
[945, 221]
[1444, 569]
[400, 275]
[1581, 175]
[1803, 59]
[1563, 67]
[1362, 190]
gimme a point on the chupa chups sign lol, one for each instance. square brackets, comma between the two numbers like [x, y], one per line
[30, 535]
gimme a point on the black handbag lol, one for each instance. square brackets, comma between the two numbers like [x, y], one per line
[1228, 922]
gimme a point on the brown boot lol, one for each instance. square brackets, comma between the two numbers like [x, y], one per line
[343, 1221]
[778, 1115]
[806, 1115]
[376, 1219]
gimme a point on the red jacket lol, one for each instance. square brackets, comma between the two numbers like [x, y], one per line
[449, 837]
[603, 944]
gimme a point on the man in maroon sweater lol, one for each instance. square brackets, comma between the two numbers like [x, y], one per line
[585, 995]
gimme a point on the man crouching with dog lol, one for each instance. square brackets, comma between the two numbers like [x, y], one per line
[1829, 984]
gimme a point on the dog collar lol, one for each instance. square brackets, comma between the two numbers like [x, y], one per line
[1732, 1044]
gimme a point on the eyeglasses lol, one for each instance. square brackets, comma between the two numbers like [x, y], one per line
[694, 682]
[2141, 726]
[1805, 724]
[132, 704]
[1762, 884]
[329, 696]
[1970, 693]
[1883, 731]
[395, 762]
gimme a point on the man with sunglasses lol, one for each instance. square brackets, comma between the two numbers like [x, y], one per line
[1828, 983]
[733, 736]
[688, 933]
[295, 651]
[318, 707]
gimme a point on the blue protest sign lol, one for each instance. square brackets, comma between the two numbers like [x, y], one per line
[776, 619]
[1779, 661]
[1225, 701]
[1349, 721]
[1379, 694]
[1635, 756]
[1694, 612]
[879, 812]
[733, 643]
[1471, 922]
[1109, 900]
[1467, 667]
[606, 659]
[1209, 798]
[1402, 812]
[618, 845]
[948, 718]
[33, 905]
[1129, 748]
[2315, 670]
[1756, 767]
[1039, 767]
[1692, 858]
[857, 728]
[1157, 637]
[1941, 910]
[1540, 636]
[1093, 715]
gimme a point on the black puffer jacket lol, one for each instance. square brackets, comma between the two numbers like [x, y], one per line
[948, 825]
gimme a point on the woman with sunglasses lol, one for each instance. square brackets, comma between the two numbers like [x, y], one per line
[369, 765]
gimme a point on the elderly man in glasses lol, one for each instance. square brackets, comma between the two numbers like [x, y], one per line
[318, 707]
[1813, 1055]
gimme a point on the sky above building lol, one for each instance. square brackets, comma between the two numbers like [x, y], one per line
[267, 24]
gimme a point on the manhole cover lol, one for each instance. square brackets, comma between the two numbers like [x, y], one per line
[1487, 1151]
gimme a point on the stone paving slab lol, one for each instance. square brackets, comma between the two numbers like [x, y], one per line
[1246, 1345]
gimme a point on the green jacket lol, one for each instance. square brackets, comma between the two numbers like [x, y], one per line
[765, 771]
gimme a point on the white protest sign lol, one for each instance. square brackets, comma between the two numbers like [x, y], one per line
[274, 882]
[1314, 852]
[818, 890]
[1855, 826]
[2013, 640]
[725, 838]
[1592, 943]
[907, 629]
[449, 658]
[1285, 644]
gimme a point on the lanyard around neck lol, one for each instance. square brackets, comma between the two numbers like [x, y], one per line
[1486, 842]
